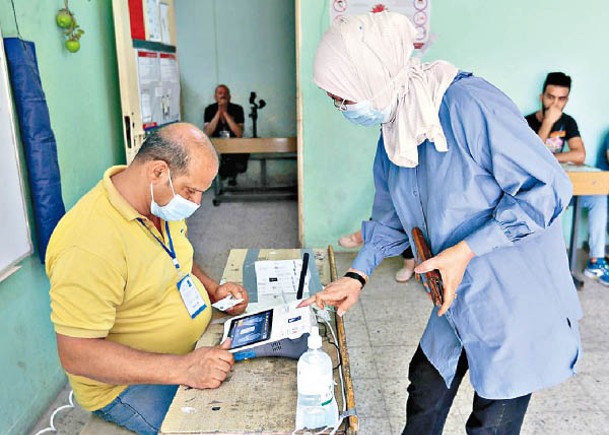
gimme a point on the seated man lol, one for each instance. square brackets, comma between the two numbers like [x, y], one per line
[225, 119]
[556, 129]
[128, 302]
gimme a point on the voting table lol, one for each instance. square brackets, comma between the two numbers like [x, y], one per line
[259, 395]
[586, 181]
[262, 149]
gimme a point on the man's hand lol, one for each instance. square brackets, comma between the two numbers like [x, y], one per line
[342, 293]
[222, 109]
[551, 115]
[237, 291]
[451, 263]
[207, 367]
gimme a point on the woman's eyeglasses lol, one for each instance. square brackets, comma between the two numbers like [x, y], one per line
[341, 106]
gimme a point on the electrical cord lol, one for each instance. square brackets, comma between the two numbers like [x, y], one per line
[52, 428]
[340, 372]
[323, 317]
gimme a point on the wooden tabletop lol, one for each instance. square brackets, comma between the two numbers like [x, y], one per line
[259, 395]
[588, 182]
[255, 145]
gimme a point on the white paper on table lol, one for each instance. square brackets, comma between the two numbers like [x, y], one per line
[277, 277]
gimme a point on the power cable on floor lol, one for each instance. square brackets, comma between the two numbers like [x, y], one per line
[52, 428]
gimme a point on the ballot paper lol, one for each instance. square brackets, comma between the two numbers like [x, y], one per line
[280, 277]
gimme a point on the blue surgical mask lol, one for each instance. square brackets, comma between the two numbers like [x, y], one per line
[175, 210]
[364, 114]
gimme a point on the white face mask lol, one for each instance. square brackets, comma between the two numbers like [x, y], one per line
[175, 210]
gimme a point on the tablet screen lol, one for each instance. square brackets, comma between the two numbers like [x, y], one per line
[251, 329]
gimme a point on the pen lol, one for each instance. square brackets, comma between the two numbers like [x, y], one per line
[303, 274]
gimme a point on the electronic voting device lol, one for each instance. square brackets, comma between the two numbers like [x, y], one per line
[278, 331]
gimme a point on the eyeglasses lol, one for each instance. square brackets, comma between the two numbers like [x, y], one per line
[340, 106]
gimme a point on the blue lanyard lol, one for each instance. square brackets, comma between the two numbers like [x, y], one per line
[170, 251]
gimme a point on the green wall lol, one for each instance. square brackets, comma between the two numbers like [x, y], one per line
[247, 45]
[511, 44]
[83, 99]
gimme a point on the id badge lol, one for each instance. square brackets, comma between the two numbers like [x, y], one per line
[191, 297]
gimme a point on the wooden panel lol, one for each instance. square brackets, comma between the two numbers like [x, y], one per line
[133, 132]
[353, 422]
[590, 183]
[255, 145]
[299, 126]
[259, 396]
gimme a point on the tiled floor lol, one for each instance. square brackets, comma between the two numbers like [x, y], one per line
[382, 334]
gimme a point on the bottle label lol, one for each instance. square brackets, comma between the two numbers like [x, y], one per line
[325, 390]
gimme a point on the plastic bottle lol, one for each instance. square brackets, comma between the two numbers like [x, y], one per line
[316, 407]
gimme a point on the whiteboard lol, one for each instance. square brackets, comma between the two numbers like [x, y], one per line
[15, 242]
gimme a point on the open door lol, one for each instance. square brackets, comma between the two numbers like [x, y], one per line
[147, 67]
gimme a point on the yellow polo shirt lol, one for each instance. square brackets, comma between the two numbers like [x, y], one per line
[110, 278]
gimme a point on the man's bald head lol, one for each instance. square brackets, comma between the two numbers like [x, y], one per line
[179, 145]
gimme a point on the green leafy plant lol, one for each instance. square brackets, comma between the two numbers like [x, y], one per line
[65, 19]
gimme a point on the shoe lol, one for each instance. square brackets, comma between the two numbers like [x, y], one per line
[604, 278]
[597, 270]
[406, 272]
[352, 240]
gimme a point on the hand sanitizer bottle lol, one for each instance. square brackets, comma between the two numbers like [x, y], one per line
[316, 407]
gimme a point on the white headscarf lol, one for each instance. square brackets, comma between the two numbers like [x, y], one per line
[368, 57]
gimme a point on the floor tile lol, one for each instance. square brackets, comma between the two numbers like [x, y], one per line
[560, 423]
[568, 397]
[369, 398]
[374, 426]
[392, 361]
[362, 362]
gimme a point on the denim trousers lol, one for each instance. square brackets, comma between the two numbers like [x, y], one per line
[140, 408]
[597, 222]
[429, 401]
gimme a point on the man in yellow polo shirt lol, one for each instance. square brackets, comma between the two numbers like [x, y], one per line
[128, 302]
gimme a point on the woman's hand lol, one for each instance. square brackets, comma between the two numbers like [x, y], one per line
[342, 294]
[451, 263]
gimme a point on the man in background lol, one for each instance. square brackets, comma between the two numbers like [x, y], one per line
[560, 133]
[225, 119]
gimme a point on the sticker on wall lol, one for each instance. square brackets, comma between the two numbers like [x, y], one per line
[417, 10]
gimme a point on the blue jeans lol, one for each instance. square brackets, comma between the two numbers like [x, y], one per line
[429, 402]
[597, 222]
[140, 408]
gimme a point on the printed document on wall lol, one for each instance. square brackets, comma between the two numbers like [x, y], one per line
[417, 10]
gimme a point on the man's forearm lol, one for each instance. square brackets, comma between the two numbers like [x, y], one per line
[575, 157]
[210, 127]
[236, 128]
[544, 131]
[117, 364]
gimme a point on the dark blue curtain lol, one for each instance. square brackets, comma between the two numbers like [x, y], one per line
[37, 137]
